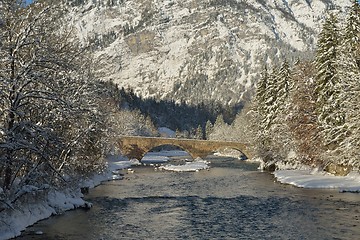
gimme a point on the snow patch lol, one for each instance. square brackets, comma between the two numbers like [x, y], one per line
[319, 179]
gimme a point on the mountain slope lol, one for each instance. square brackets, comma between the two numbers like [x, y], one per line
[192, 50]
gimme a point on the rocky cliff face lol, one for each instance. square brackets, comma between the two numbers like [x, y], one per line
[197, 50]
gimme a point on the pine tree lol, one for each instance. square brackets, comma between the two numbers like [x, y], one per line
[199, 133]
[271, 103]
[261, 92]
[220, 129]
[349, 73]
[352, 31]
[284, 83]
[281, 141]
[219, 122]
[208, 129]
[327, 80]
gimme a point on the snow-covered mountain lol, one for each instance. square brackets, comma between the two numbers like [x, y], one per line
[197, 50]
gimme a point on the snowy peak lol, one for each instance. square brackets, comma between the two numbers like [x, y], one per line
[195, 51]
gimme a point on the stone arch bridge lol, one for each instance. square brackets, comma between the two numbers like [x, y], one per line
[137, 147]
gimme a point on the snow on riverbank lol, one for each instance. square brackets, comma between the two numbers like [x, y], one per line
[43, 204]
[115, 163]
[316, 179]
[300, 175]
[37, 207]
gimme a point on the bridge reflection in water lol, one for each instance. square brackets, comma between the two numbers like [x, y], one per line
[137, 146]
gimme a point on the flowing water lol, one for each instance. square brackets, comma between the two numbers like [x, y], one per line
[233, 200]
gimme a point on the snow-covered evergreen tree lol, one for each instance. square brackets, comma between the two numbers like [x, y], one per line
[271, 107]
[271, 103]
[261, 92]
[352, 31]
[349, 73]
[263, 113]
[327, 82]
[208, 129]
[199, 133]
[219, 122]
[282, 142]
[284, 83]
[220, 129]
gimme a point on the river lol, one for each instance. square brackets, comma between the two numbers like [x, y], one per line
[231, 200]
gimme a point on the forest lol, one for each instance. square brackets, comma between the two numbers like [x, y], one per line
[308, 113]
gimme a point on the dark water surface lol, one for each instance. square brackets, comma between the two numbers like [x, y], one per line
[230, 201]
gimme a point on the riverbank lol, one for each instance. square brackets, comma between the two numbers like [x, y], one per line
[41, 204]
[35, 207]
